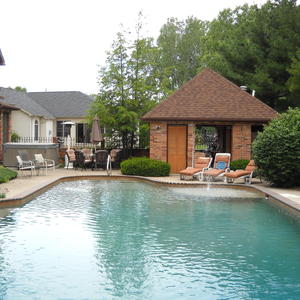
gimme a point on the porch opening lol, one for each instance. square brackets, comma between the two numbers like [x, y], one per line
[212, 139]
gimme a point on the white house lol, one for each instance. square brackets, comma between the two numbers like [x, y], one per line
[42, 114]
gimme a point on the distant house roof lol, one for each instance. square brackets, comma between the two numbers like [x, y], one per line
[63, 104]
[211, 97]
[24, 102]
[2, 61]
[7, 106]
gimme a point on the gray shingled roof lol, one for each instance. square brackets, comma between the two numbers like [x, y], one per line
[24, 102]
[63, 104]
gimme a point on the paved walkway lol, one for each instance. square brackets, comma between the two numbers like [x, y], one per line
[23, 186]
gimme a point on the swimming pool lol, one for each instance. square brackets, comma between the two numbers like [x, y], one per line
[133, 240]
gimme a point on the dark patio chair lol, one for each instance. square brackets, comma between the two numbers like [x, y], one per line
[115, 155]
[82, 162]
[101, 159]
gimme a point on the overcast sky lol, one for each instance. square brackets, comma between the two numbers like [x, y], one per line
[58, 45]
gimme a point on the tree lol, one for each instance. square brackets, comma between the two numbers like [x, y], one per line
[180, 50]
[254, 46]
[20, 89]
[128, 89]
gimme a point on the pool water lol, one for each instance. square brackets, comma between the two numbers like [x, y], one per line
[132, 240]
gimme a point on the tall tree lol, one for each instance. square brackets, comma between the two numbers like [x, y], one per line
[128, 88]
[254, 46]
[180, 48]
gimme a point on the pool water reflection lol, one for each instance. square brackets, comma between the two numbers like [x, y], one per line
[132, 240]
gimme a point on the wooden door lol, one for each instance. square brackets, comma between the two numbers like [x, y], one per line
[177, 142]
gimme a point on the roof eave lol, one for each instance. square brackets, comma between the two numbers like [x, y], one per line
[153, 119]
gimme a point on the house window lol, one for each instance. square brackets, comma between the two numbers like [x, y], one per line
[82, 133]
[36, 130]
[62, 130]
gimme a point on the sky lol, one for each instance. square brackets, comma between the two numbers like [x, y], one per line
[59, 45]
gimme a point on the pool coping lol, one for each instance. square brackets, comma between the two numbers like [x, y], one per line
[28, 195]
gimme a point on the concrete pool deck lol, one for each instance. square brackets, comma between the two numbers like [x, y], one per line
[25, 186]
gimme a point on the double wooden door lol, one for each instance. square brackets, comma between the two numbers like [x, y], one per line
[177, 147]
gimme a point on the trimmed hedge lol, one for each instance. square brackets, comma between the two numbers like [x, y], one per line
[7, 174]
[276, 150]
[239, 164]
[142, 166]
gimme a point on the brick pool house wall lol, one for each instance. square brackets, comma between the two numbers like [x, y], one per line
[159, 140]
[241, 141]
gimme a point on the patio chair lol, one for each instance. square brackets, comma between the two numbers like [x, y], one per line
[82, 161]
[25, 165]
[24, 155]
[88, 153]
[244, 174]
[221, 165]
[115, 155]
[71, 157]
[101, 159]
[43, 163]
[202, 164]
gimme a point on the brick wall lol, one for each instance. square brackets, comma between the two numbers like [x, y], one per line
[158, 141]
[241, 141]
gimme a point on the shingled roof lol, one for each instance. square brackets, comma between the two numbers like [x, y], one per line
[24, 102]
[71, 104]
[210, 97]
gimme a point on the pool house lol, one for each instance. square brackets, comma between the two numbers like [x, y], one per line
[208, 114]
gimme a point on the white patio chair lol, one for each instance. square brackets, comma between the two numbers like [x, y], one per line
[25, 165]
[44, 163]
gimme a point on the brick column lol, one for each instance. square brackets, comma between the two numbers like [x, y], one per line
[241, 141]
[190, 144]
[158, 141]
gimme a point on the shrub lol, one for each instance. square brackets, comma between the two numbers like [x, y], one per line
[7, 174]
[14, 137]
[142, 166]
[276, 150]
[240, 164]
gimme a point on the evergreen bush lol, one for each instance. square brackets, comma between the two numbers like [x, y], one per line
[142, 166]
[276, 150]
[239, 164]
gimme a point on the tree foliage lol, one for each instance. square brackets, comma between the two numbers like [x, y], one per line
[255, 46]
[250, 45]
[276, 150]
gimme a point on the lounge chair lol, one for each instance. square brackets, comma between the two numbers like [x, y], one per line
[25, 165]
[202, 164]
[43, 163]
[245, 174]
[221, 165]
